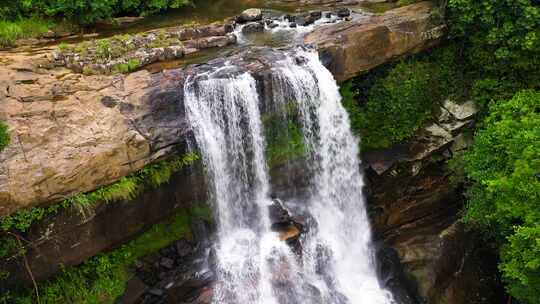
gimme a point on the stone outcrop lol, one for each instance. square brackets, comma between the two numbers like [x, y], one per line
[72, 133]
[367, 41]
[72, 235]
[107, 56]
[414, 206]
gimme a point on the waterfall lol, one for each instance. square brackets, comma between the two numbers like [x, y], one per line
[337, 251]
[226, 121]
[253, 266]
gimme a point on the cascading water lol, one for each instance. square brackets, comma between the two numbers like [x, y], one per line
[253, 265]
[227, 125]
[337, 253]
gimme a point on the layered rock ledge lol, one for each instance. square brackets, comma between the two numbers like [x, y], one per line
[72, 133]
[353, 47]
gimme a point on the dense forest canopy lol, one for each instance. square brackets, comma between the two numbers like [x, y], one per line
[85, 11]
[501, 42]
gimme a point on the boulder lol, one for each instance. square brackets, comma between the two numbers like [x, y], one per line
[365, 42]
[251, 14]
[252, 27]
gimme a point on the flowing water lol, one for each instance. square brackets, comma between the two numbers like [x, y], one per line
[336, 265]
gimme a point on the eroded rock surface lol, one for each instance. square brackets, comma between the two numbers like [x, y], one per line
[414, 205]
[367, 41]
[107, 56]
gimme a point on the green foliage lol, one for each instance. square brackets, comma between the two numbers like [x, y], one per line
[521, 263]
[10, 31]
[284, 137]
[129, 66]
[102, 278]
[390, 104]
[504, 165]
[4, 136]
[501, 36]
[407, 2]
[86, 11]
[127, 188]
[103, 49]
[10, 247]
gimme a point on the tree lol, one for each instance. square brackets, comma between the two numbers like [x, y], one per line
[504, 164]
[502, 35]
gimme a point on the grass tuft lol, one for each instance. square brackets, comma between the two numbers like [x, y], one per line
[11, 31]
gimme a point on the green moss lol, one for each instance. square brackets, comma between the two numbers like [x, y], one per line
[88, 71]
[4, 136]
[284, 137]
[11, 31]
[82, 48]
[103, 278]
[126, 188]
[65, 48]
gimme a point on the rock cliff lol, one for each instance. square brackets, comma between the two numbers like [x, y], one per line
[73, 133]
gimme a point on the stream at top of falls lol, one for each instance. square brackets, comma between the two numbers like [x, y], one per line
[335, 264]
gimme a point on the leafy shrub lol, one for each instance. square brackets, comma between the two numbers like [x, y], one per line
[4, 135]
[501, 36]
[389, 104]
[504, 164]
[103, 49]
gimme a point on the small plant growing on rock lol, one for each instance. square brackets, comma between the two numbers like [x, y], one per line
[103, 49]
[130, 66]
[82, 48]
[4, 136]
[64, 48]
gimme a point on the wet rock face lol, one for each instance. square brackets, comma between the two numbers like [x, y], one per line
[183, 272]
[288, 228]
[179, 273]
[253, 27]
